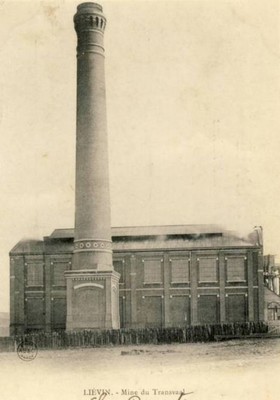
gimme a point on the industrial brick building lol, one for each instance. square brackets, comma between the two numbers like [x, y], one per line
[95, 277]
[170, 276]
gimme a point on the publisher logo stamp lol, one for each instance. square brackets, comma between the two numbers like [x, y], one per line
[27, 350]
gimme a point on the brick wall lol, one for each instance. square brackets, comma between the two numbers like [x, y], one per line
[174, 288]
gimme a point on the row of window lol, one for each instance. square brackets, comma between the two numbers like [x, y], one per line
[150, 310]
[35, 274]
[180, 271]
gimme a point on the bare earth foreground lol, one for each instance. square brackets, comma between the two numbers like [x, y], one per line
[248, 369]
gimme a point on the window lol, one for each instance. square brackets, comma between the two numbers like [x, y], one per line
[179, 310]
[236, 306]
[35, 275]
[180, 271]
[208, 269]
[59, 312]
[58, 269]
[236, 269]
[151, 312]
[152, 271]
[207, 309]
[35, 311]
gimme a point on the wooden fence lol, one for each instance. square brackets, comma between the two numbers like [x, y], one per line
[96, 338]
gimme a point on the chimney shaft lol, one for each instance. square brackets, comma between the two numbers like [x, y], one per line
[93, 249]
[92, 283]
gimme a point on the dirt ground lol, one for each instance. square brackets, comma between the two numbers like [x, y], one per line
[248, 369]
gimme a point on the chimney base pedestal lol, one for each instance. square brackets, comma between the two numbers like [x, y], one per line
[92, 300]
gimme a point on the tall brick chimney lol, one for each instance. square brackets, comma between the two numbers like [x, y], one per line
[92, 284]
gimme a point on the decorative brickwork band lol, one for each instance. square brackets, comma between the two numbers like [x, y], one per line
[88, 22]
[92, 245]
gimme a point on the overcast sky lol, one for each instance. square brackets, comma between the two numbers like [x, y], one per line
[193, 117]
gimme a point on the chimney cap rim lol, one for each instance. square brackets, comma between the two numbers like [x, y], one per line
[89, 6]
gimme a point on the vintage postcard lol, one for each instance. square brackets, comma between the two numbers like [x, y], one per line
[139, 200]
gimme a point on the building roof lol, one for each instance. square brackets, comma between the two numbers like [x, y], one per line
[182, 243]
[148, 231]
[177, 237]
[28, 246]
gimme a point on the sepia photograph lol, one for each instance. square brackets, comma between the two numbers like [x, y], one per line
[139, 159]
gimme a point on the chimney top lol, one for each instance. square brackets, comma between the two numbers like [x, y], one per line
[89, 7]
[89, 17]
